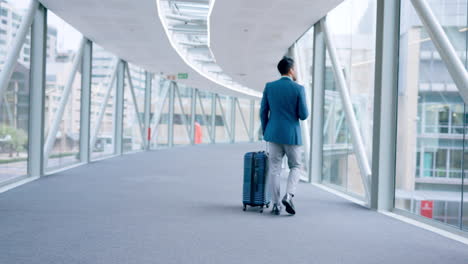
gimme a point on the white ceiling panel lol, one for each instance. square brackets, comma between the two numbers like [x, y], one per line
[248, 38]
[133, 31]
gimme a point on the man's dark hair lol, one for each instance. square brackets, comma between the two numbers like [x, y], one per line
[285, 64]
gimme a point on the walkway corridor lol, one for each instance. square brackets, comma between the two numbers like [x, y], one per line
[183, 205]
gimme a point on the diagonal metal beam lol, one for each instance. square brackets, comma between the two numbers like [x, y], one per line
[181, 106]
[442, 43]
[102, 110]
[135, 103]
[205, 120]
[358, 144]
[8, 110]
[242, 116]
[58, 116]
[223, 116]
[16, 45]
[338, 128]
[329, 115]
[160, 105]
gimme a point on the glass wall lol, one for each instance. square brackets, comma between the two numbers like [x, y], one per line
[242, 119]
[103, 83]
[14, 106]
[159, 112]
[182, 110]
[432, 118]
[221, 130]
[352, 26]
[303, 56]
[62, 94]
[203, 116]
[132, 133]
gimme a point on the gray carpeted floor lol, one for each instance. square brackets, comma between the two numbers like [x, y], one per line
[183, 205]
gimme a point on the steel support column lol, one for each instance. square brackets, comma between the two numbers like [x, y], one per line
[213, 118]
[170, 123]
[37, 93]
[317, 106]
[119, 108]
[385, 105]
[85, 108]
[147, 117]
[233, 119]
[193, 113]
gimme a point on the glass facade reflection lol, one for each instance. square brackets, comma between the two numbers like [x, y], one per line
[203, 116]
[352, 25]
[63, 91]
[134, 109]
[103, 83]
[182, 108]
[431, 157]
[14, 106]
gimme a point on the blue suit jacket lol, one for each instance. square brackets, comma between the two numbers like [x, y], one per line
[283, 105]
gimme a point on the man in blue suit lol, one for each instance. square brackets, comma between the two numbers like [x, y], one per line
[283, 105]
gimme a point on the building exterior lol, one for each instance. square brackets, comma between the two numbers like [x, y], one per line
[431, 118]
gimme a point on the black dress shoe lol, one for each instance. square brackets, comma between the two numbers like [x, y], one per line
[276, 210]
[288, 204]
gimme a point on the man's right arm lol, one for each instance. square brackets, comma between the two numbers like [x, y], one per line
[264, 110]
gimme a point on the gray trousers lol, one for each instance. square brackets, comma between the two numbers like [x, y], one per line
[275, 159]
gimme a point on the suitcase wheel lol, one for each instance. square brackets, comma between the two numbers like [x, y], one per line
[268, 206]
[261, 209]
[245, 208]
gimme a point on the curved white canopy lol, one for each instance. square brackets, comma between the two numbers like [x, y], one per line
[246, 37]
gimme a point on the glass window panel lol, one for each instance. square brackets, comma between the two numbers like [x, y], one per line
[258, 133]
[428, 94]
[242, 130]
[103, 86]
[63, 47]
[222, 106]
[303, 55]
[14, 106]
[132, 135]
[465, 196]
[182, 115]
[159, 112]
[203, 117]
[352, 26]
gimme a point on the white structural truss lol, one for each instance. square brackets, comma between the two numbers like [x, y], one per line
[186, 24]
